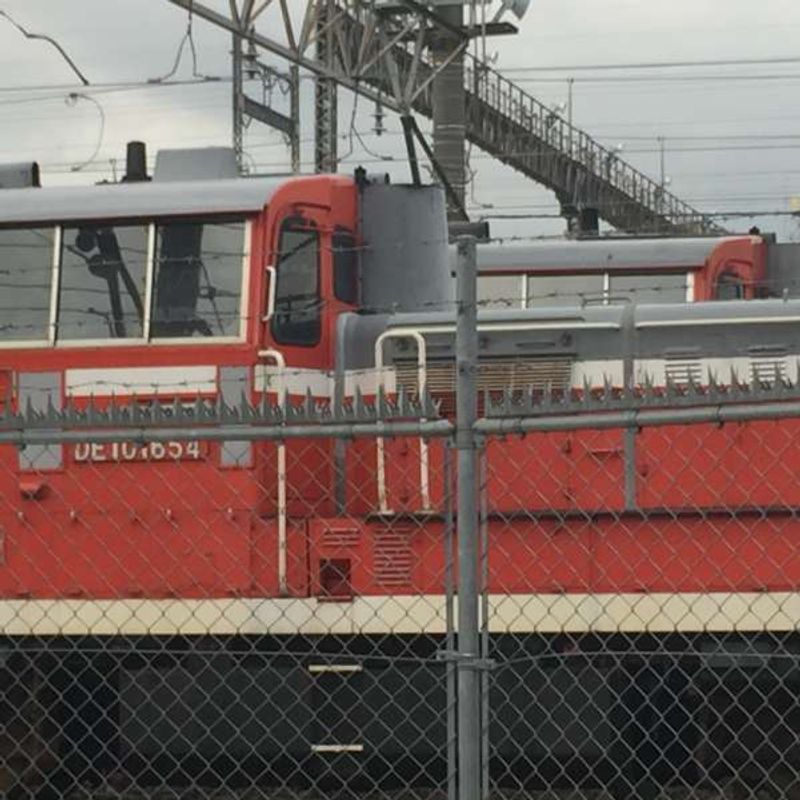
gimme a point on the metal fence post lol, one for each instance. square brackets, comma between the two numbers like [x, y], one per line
[469, 687]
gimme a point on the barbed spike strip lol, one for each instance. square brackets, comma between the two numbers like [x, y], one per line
[535, 401]
[135, 413]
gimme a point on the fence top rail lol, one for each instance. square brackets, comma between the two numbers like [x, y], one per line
[636, 419]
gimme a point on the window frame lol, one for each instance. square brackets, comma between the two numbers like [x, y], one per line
[310, 224]
[604, 296]
[50, 338]
[59, 272]
[46, 340]
[244, 294]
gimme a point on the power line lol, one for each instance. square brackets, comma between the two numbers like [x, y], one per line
[49, 39]
[708, 137]
[95, 88]
[724, 62]
[734, 78]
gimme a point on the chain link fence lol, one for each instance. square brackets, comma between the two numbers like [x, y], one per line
[265, 607]
[642, 627]
[186, 613]
[581, 593]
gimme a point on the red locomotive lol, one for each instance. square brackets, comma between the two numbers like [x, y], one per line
[178, 289]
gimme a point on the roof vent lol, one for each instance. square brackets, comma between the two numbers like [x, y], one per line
[201, 164]
[19, 176]
[136, 163]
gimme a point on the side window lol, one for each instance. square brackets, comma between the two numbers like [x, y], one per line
[729, 286]
[26, 269]
[650, 288]
[499, 291]
[345, 267]
[198, 279]
[564, 290]
[102, 286]
[297, 317]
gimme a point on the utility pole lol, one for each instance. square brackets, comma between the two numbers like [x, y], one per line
[449, 105]
[294, 138]
[326, 105]
[468, 655]
[238, 102]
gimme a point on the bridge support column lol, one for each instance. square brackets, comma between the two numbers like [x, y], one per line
[581, 221]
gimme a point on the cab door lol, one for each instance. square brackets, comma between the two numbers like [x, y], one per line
[296, 357]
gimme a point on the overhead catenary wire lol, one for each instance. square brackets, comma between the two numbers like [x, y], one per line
[647, 65]
[51, 41]
[785, 76]
[72, 99]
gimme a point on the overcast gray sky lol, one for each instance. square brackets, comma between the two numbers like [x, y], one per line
[700, 118]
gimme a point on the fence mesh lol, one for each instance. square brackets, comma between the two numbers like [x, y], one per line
[642, 611]
[276, 618]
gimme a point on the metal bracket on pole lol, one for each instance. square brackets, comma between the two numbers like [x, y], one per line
[466, 661]
[245, 108]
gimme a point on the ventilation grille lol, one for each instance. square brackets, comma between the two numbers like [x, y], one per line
[340, 537]
[683, 370]
[768, 369]
[393, 557]
[493, 374]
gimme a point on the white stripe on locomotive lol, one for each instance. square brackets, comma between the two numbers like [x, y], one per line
[405, 614]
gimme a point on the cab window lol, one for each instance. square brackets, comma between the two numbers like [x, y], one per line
[729, 287]
[345, 267]
[197, 284]
[102, 286]
[297, 316]
[26, 269]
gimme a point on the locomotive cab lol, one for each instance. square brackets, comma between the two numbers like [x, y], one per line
[163, 291]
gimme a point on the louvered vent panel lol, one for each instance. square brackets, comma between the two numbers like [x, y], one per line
[493, 375]
[393, 557]
[683, 370]
[341, 537]
[768, 363]
[768, 369]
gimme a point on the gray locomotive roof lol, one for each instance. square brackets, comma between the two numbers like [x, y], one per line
[128, 200]
[592, 256]
[761, 311]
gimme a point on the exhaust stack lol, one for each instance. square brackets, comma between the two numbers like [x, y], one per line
[136, 163]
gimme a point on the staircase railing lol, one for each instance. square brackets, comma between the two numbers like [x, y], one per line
[506, 98]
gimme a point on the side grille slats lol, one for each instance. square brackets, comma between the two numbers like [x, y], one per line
[493, 375]
[341, 537]
[394, 557]
[683, 370]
